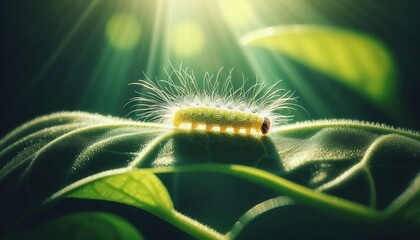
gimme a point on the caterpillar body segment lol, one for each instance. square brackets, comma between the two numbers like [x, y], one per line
[223, 118]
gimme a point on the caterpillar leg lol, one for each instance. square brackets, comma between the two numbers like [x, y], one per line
[236, 130]
[176, 124]
[194, 126]
[248, 131]
[209, 127]
[223, 129]
[256, 129]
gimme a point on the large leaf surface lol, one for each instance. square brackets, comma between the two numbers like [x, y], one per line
[349, 169]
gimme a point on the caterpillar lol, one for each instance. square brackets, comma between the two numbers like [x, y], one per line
[180, 100]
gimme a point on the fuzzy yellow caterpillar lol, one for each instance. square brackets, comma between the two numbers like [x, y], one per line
[215, 104]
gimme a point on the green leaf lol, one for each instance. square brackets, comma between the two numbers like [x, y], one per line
[137, 188]
[356, 60]
[349, 169]
[86, 225]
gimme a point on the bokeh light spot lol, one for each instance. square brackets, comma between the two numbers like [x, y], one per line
[188, 39]
[123, 31]
[238, 13]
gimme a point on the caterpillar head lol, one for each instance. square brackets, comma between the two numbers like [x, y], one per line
[265, 126]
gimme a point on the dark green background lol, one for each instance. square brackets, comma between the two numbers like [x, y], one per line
[51, 63]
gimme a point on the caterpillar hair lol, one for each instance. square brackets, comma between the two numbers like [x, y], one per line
[181, 100]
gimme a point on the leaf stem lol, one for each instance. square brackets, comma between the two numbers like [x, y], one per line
[191, 226]
[334, 205]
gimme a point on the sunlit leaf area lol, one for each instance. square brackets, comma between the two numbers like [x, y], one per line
[76, 162]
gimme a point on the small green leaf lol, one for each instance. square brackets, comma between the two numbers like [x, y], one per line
[137, 188]
[83, 226]
[354, 59]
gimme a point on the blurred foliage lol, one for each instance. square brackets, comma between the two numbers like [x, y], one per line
[84, 226]
[356, 60]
